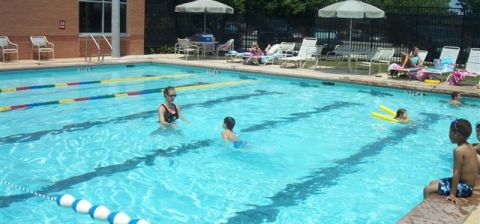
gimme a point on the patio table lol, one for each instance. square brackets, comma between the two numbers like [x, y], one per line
[206, 47]
[349, 54]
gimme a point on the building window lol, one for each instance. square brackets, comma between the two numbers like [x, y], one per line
[96, 16]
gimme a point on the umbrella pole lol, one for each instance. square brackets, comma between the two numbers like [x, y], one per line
[350, 39]
[204, 21]
[350, 48]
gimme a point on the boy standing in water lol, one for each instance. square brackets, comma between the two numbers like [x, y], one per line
[456, 99]
[465, 166]
[228, 134]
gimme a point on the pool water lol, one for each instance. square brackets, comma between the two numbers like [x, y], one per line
[313, 155]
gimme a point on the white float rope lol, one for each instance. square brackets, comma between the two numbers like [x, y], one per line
[97, 212]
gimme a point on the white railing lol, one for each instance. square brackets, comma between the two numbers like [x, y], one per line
[97, 45]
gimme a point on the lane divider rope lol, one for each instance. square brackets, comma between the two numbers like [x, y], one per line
[82, 206]
[119, 95]
[101, 82]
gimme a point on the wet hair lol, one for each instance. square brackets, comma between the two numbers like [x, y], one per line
[168, 88]
[462, 127]
[477, 126]
[400, 112]
[455, 95]
[229, 122]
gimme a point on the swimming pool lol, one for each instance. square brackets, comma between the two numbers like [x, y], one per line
[314, 153]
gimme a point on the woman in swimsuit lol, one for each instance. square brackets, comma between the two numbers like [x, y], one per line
[168, 112]
[410, 61]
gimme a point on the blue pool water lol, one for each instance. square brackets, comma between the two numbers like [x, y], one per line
[314, 153]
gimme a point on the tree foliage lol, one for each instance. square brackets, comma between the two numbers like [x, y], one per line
[295, 7]
[469, 4]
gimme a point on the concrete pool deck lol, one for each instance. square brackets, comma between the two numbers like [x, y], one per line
[326, 74]
[432, 210]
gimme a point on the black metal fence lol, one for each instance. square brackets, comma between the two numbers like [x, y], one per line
[402, 28]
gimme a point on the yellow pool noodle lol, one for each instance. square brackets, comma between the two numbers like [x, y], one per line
[387, 110]
[384, 117]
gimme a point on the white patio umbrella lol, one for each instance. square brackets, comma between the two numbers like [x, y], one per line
[351, 9]
[204, 6]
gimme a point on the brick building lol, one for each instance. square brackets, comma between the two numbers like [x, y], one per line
[68, 23]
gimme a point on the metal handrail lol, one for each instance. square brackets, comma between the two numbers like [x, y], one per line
[97, 44]
[86, 48]
[108, 42]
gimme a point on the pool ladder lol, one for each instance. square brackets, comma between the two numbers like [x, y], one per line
[97, 45]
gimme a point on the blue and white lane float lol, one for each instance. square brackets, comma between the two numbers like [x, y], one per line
[82, 206]
[97, 212]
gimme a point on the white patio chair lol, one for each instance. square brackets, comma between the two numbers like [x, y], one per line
[42, 46]
[226, 47]
[333, 56]
[307, 48]
[187, 47]
[381, 56]
[8, 47]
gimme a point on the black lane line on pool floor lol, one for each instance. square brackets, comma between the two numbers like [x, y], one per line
[33, 136]
[131, 164]
[297, 116]
[295, 193]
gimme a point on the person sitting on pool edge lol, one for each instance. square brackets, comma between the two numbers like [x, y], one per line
[401, 115]
[456, 99]
[228, 134]
[476, 146]
[168, 112]
[465, 166]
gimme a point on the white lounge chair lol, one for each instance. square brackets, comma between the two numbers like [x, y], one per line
[471, 74]
[187, 47]
[307, 49]
[473, 62]
[42, 46]
[226, 47]
[449, 53]
[282, 50]
[473, 66]
[7, 47]
[381, 56]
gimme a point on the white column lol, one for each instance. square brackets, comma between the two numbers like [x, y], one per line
[115, 28]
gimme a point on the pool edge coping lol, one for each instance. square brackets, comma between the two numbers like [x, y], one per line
[470, 91]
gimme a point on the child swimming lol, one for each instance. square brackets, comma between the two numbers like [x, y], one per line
[228, 134]
[401, 115]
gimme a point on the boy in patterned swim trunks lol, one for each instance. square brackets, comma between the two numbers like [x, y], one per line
[465, 166]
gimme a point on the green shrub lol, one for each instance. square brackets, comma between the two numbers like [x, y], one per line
[165, 49]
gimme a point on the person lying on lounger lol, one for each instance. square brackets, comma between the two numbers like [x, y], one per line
[254, 56]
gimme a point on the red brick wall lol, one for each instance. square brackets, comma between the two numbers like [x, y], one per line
[21, 18]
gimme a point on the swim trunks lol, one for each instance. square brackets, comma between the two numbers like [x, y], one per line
[444, 187]
[238, 144]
